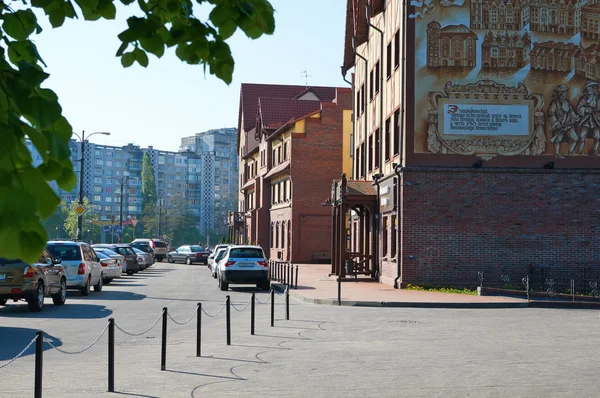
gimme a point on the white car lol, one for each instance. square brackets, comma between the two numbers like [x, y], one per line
[112, 269]
[214, 265]
[81, 264]
[244, 265]
[121, 262]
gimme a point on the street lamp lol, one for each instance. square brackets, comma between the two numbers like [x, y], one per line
[80, 216]
[122, 181]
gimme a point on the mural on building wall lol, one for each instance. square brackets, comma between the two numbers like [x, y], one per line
[507, 77]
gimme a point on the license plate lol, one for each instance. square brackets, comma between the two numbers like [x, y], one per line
[2, 277]
[246, 265]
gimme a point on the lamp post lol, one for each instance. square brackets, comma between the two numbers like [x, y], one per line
[80, 216]
[122, 182]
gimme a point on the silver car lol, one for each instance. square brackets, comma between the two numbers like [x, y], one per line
[81, 264]
[243, 264]
[111, 267]
[144, 259]
[121, 262]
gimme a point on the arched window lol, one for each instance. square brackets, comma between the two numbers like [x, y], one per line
[277, 235]
[272, 235]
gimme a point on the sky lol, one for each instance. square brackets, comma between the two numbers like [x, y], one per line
[168, 100]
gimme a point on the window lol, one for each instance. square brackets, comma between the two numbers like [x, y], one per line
[97, 198]
[371, 86]
[107, 208]
[397, 49]
[132, 208]
[362, 160]
[387, 140]
[377, 76]
[108, 199]
[370, 153]
[384, 238]
[277, 236]
[389, 60]
[285, 150]
[279, 154]
[274, 157]
[99, 162]
[97, 189]
[397, 132]
[394, 238]
[357, 109]
[357, 163]
[262, 158]
[362, 98]
[376, 148]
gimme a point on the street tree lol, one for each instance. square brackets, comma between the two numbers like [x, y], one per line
[55, 224]
[91, 222]
[29, 110]
[148, 181]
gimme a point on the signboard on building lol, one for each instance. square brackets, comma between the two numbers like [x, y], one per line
[520, 81]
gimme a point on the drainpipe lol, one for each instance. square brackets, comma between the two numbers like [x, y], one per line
[363, 160]
[397, 169]
[381, 133]
[353, 116]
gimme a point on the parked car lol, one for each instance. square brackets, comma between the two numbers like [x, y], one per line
[211, 256]
[144, 259]
[126, 251]
[81, 264]
[119, 258]
[244, 265]
[145, 247]
[188, 254]
[33, 282]
[112, 269]
[161, 248]
[217, 259]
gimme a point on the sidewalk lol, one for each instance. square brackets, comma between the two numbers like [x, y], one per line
[316, 286]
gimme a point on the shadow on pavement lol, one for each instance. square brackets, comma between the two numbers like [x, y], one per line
[122, 284]
[130, 394]
[107, 295]
[232, 359]
[13, 340]
[205, 375]
[67, 311]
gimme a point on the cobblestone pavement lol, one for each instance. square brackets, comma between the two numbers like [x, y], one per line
[323, 351]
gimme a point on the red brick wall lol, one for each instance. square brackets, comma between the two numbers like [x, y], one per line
[456, 222]
[316, 160]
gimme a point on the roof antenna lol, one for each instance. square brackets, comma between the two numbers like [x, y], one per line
[306, 76]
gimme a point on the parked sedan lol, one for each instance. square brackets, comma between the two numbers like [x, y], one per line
[31, 283]
[213, 254]
[217, 259]
[188, 254]
[112, 269]
[119, 258]
[144, 259]
[127, 252]
[244, 264]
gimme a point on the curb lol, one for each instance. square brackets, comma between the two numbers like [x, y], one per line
[426, 304]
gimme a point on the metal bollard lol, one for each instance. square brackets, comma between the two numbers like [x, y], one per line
[163, 348]
[296, 286]
[573, 289]
[287, 303]
[289, 274]
[252, 314]
[199, 331]
[39, 361]
[272, 308]
[111, 355]
[339, 281]
[228, 317]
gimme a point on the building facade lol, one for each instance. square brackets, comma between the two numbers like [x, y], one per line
[290, 146]
[552, 56]
[500, 15]
[590, 22]
[587, 64]
[505, 50]
[451, 45]
[560, 17]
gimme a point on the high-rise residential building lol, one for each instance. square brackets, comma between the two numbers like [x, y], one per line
[217, 190]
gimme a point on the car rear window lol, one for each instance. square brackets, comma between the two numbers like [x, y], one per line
[160, 244]
[124, 251]
[65, 252]
[196, 249]
[102, 255]
[248, 252]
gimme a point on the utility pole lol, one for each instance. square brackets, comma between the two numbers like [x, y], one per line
[123, 179]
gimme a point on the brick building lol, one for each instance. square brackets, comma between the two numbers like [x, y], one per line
[505, 50]
[499, 14]
[561, 17]
[452, 45]
[590, 22]
[588, 62]
[290, 148]
[552, 56]
[443, 208]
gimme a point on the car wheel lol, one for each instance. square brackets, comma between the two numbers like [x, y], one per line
[130, 272]
[188, 261]
[169, 259]
[85, 291]
[60, 297]
[214, 275]
[224, 286]
[98, 286]
[107, 281]
[3, 302]
[36, 303]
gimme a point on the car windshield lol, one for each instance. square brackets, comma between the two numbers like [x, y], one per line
[220, 254]
[246, 252]
[102, 255]
[105, 251]
[196, 249]
[124, 251]
[65, 252]
[158, 243]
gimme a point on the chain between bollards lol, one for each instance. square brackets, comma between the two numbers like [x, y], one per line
[272, 308]
[163, 351]
[199, 331]
[111, 355]
[252, 303]
[39, 360]
[228, 316]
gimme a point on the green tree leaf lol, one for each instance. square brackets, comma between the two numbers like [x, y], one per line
[141, 57]
[19, 24]
[107, 9]
[57, 17]
[154, 44]
[127, 59]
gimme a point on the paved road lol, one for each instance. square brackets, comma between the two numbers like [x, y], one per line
[323, 351]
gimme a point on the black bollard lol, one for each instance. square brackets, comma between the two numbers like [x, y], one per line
[111, 355]
[252, 314]
[199, 331]
[228, 316]
[287, 303]
[39, 360]
[296, 286]
[163, 348]
[272, 308]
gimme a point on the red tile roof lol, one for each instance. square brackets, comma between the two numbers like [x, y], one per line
[275, 112]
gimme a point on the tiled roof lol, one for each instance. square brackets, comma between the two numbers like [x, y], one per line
[456, 29]
[357, 188]
[275, 112]
[278, 169]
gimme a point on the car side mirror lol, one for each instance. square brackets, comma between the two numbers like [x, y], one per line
[58, 260]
